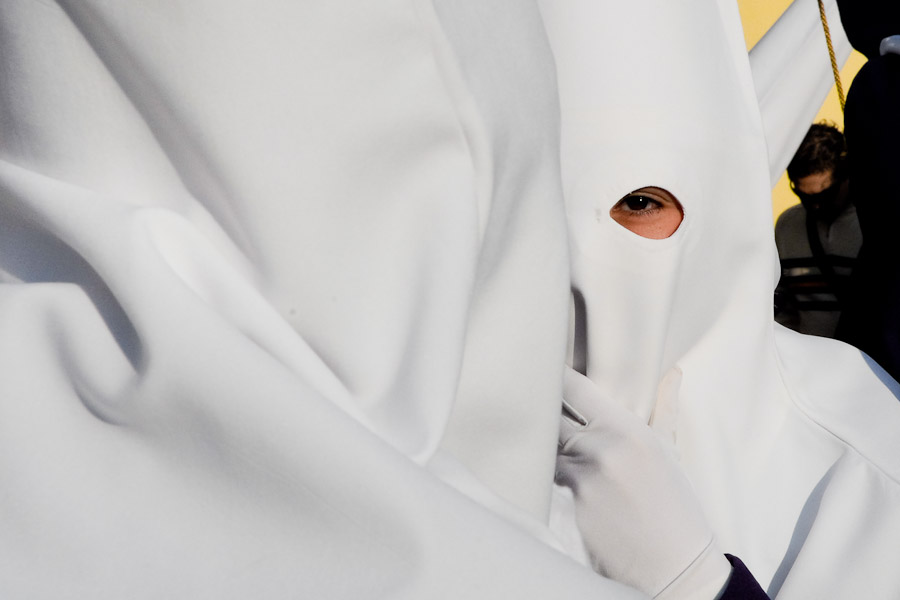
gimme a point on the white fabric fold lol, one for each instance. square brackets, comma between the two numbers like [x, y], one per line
[283, 301]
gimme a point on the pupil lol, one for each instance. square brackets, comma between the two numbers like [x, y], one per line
[637, 202]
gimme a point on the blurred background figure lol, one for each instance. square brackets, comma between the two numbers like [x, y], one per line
[818, 239]
[871, 320]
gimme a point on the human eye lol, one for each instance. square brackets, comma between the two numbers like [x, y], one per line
[651, 212]
[638, 204]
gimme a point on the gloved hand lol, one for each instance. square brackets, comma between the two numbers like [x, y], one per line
[637, 514]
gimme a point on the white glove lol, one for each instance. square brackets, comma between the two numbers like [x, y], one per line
[637, 514]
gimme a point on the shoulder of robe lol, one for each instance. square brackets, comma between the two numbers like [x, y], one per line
[845, 393]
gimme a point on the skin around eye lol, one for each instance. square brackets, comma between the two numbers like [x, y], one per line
[650, 212]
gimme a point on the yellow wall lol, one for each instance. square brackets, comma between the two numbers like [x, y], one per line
[757, 17]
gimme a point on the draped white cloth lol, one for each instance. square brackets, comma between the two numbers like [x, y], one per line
[284, 297]
[792, 74]
[279, 280]
[792, 443]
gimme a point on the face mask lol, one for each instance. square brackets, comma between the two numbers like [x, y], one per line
[680, 120]
[824, 205]
[623, 286]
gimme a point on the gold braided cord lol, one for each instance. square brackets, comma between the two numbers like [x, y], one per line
[834, 67]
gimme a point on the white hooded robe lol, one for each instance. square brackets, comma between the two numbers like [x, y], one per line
[792, 443]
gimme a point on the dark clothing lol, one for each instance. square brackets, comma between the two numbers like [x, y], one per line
[741, 584]
[871, 319]
[867, 22]
[809, 299]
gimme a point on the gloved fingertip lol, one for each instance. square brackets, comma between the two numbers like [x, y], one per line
[569, 412]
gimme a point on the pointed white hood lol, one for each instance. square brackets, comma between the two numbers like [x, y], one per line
[668, 108]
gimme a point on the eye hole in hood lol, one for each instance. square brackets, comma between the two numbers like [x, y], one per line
[650, 212]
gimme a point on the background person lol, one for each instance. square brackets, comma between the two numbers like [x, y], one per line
[818, 239]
